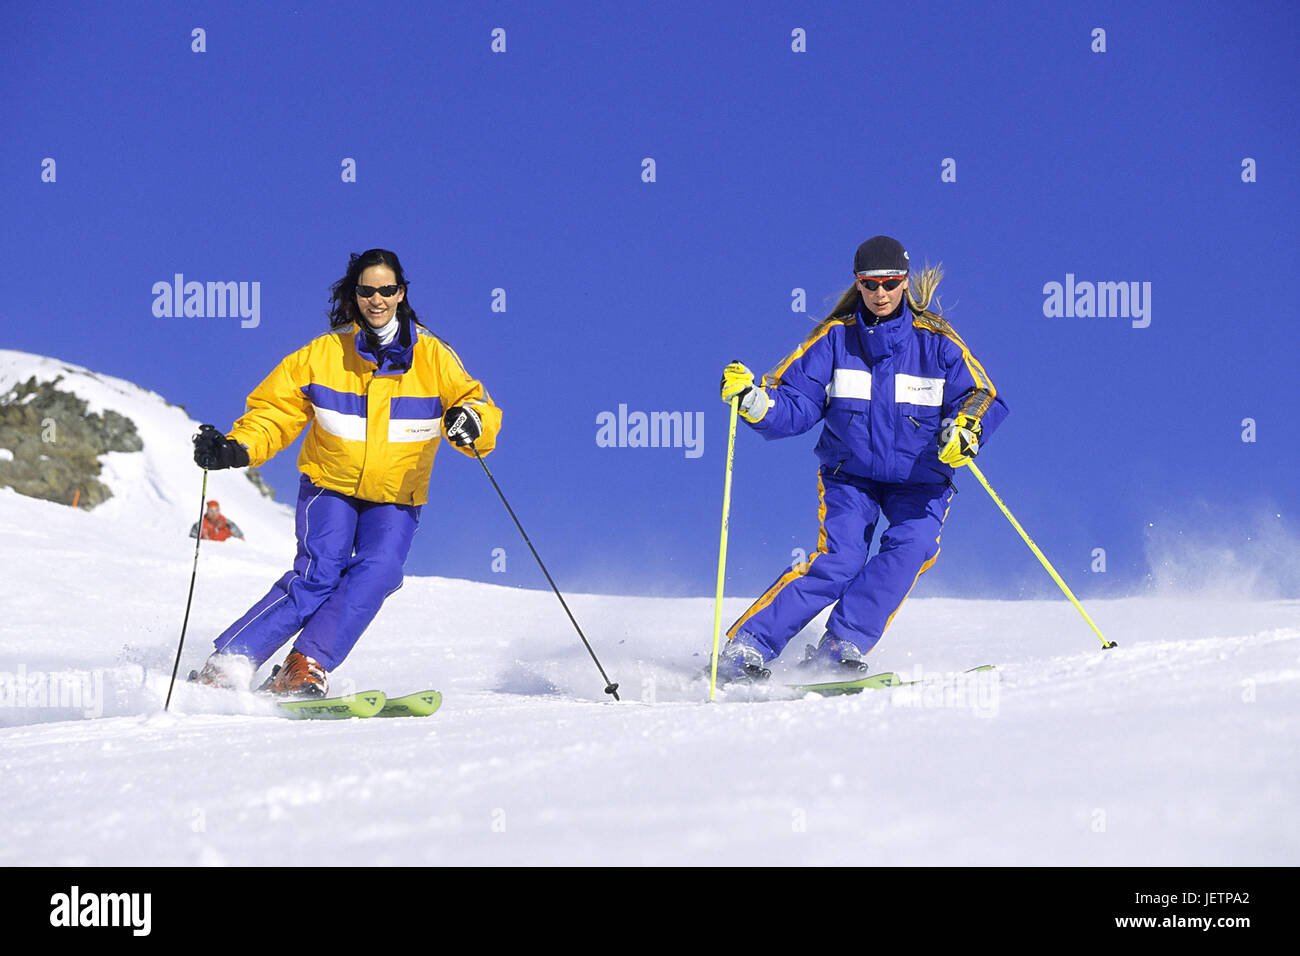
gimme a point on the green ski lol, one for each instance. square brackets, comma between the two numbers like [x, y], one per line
[832, 688]
[412, 705]
[874, 682]
[363, 704]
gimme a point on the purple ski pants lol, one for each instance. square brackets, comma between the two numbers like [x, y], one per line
[350, 558]
[867, 593]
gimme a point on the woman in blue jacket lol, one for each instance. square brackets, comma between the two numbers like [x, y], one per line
[903, 402]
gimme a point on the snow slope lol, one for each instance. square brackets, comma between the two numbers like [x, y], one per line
[1178, 747]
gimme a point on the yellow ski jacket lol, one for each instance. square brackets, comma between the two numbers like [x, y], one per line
[375, 412]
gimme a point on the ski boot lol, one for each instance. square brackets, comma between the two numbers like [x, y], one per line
[835, 655]
[301, 676]
[226, 672]
[740, 663]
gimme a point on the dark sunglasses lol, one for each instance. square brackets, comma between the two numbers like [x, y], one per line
[387, 291]
[890, 284]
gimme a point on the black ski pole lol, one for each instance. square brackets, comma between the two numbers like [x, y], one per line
[193, 574]
[610, 687]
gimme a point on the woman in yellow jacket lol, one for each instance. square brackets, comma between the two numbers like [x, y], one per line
[377, 392]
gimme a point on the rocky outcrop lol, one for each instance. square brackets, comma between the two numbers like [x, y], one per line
[50, 446]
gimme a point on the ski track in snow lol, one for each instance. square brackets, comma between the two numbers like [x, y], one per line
[1176, 748]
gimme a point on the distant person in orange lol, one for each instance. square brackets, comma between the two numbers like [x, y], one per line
[216, 526]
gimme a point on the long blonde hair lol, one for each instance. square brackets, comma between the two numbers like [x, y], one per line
[921, 298]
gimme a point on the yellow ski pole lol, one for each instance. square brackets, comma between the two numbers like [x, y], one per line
[1034, 548]
[722, 548]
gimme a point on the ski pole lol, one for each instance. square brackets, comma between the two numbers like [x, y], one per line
[610, 687]
[1041, 557]
[722, 547]
[193, 574]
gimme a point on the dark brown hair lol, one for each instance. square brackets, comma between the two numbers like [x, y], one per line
[343, 294]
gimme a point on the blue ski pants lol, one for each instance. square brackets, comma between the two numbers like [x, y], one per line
[869, 592]
[350, 558]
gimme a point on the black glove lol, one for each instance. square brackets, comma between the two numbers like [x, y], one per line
[214, 451]
[463, 425]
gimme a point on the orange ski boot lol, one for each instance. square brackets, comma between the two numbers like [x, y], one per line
[301, 676]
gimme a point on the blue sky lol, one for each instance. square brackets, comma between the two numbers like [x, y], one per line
[522, 171]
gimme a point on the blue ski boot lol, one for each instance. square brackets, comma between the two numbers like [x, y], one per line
[834, 655]
[739, 662]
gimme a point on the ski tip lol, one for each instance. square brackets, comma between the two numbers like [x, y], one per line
[421, 704]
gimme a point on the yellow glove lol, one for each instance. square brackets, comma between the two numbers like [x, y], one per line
[959, 440]
[738, 382]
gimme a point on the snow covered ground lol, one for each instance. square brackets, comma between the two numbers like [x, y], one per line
[1177, 748]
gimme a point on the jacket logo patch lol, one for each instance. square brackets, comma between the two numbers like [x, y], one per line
[407, 429]
[412, 430]
[918, 390]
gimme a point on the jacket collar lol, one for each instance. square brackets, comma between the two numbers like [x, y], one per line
[393, 358]
[885, 337]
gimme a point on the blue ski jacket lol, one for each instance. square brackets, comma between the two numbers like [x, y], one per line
[884, 392]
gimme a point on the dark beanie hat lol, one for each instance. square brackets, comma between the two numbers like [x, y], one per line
[881, 255]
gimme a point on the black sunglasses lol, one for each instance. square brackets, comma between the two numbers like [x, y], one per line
[889, 284]
[387, 291]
